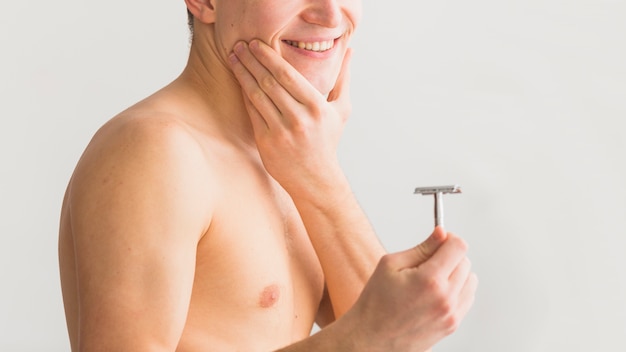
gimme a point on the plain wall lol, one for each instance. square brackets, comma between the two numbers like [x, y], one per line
[523, 103]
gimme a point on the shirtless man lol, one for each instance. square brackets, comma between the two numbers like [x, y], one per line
[214, 216]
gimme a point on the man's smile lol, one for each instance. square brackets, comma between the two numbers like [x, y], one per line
[312, 46]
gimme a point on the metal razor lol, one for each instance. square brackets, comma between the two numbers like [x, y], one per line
[438, 192]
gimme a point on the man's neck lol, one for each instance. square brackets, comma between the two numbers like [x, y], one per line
[216, 92]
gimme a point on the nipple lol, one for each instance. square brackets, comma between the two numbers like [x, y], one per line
[269, 296]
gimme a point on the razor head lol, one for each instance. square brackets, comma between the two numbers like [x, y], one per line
[438, 189]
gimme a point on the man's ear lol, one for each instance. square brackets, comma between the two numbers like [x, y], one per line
[202, 10]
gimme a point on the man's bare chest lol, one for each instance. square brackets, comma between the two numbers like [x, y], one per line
[256, 267]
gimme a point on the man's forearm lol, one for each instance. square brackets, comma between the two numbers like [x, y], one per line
[340, 336]
[344, 241]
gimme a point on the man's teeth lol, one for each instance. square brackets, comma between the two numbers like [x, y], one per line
[314, 46]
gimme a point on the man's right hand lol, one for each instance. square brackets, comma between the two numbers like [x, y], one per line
[416, 297]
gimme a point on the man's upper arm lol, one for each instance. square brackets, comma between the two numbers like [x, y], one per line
[138, 206]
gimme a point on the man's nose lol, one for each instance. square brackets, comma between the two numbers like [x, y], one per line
[325, 13]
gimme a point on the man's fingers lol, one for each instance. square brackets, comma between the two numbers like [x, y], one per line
[294, 85]
[448, 257]
[468, 292]
[259, 125]
[460, 275]
[263, 104]
[415, 256]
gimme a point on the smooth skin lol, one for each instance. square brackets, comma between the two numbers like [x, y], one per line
[277, 100]
[214, 215]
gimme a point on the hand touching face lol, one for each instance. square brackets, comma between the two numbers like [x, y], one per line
[311, 35]
[291, 58]
[296, 128]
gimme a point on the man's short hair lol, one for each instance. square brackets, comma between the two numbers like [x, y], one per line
[190, 21]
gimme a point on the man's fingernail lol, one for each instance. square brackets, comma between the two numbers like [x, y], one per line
[254, 44]
[238, 47]
[233, 58]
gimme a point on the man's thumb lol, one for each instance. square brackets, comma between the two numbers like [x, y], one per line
[417, 255]
[342, 85]
[426, 249]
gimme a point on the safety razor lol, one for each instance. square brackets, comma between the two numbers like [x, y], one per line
[438, 192]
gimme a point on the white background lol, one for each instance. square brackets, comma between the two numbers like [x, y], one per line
[523, 103]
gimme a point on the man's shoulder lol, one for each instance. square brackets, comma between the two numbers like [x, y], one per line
[147, 147]
[151, 136]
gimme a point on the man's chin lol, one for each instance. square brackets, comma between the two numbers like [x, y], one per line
[321, 82]
[322, 78]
